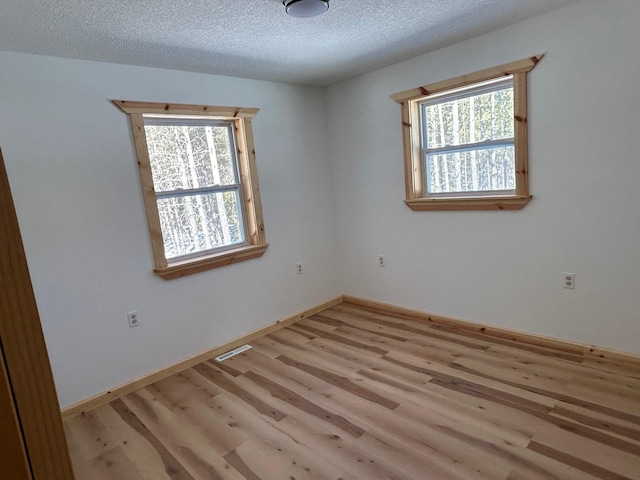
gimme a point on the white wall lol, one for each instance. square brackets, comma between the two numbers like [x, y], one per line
[505, 268]
[72, 168]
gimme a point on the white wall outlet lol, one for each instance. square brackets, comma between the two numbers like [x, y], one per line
[133, 318]
[381, 260]
[569, 280]
[299, 268]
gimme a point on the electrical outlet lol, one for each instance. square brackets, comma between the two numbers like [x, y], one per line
[381, 260]
[569, 280]
[299, 268]
[133, 319]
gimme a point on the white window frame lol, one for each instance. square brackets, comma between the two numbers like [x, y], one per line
[417, 195]
[459, 94]
[157, 120]
[239, 119]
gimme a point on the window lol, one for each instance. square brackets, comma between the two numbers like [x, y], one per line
[200, 185]
[468, 140]
[465, 141]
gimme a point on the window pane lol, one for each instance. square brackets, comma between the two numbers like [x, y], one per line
[487, 116]
[190, 156]
[195, 223]
[487, 169]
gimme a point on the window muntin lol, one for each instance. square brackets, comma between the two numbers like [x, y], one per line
[198, 190]
[468, 140]
[195, 224]
[228, 185]
[425, 155]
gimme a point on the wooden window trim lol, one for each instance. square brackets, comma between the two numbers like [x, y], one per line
[409, 101]
[256, 238]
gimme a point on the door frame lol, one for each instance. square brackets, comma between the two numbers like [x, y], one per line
[25, 352]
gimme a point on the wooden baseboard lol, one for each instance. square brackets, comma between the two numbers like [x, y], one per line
[129, 387]
[587, 351]
[566, 346]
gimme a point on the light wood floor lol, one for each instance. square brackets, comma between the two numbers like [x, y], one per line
[357, 394]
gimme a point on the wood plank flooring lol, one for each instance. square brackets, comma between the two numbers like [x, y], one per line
[353, 393]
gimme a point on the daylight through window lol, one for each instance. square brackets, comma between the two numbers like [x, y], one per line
[465, 141]
[200, 185]
[468, 140]
[198, 190]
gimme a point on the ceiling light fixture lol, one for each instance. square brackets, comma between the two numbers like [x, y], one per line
[305, 8]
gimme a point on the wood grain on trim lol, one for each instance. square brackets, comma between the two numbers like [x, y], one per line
[148, 191]
[128, 387]
[559, 345]
[416, 197]
[520, 66]
[554, 346]
[13, 456]
[468, 203]
[220, 259]
[209, 111]
[256, 242]
[359, 393]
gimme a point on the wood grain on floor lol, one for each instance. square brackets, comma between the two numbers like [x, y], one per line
[353, 393]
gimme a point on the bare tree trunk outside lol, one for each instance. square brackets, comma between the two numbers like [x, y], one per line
[222, 211]
[198, 200]
[472, 139]
[444, 142]
[456, 141]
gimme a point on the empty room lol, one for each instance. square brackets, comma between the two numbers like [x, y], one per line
[320, 239]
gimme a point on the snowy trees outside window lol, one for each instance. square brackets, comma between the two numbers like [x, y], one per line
[198, 191]
[200, 184]
[468, 140]
[465, 140]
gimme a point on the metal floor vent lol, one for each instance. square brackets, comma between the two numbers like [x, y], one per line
[233, 353]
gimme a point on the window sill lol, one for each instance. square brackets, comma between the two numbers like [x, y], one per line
[468, 203]
[187, 267]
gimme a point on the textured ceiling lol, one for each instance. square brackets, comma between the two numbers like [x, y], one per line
[253, 38]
